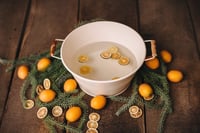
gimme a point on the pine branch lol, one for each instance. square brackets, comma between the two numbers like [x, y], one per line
[23, 90]
[61, 125]
[84, 117]
[132, 99]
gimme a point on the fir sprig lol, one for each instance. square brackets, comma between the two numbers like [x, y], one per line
[57, 73]
[158, 80]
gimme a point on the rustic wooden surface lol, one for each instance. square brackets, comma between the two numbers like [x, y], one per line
[28, 26]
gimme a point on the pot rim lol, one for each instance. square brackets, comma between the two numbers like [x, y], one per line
[103, 81]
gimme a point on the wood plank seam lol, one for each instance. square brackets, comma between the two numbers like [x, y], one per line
[16, 56]
[193, 29]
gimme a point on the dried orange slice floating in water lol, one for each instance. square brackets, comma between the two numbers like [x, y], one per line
[116, 55]
[85, 69]
[83, 58]
[105, 54]
[113, 49]
[123, 60]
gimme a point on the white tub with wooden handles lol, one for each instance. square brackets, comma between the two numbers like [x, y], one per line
[103, 31]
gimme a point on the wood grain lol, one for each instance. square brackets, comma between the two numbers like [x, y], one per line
[170, 24]
[123, 11]
[28, 27]
[46, 22]
[12, 16]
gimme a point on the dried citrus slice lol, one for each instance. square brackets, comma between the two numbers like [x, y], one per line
[83, 58]
[113, 49]
[105, 54]
[42, 112]
[47, 83]
[92, 124]
[92, 130]
[57, 111]
[94, 116]
[85, 69]
[29, 104]
[134, 109]
[136, 114]
[116, 55]
[123, 60]
[39, 89]
[149, 97]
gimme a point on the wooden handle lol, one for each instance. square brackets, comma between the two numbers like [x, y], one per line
[153, 50]
[53, 48]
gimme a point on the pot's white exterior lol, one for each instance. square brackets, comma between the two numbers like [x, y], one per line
[98, 32]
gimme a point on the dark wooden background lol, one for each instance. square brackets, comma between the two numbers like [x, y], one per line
[28, 26]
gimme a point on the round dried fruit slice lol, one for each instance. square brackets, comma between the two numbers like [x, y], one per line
[116, 55]
[149, 98]
[92, 130]
[42, 112]
[39, 89]
[123, 60]
[134, 109]
[47, 83]
[113, 49]
[94, 117]
[105, 54]
[57, 111]
[137, 115]
[83, 58]
[85, 69]
[29, 104]
[92, 124]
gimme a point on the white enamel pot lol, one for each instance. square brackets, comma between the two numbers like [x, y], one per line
[102, 31]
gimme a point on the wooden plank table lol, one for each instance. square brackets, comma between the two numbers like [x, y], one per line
[28, 27]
